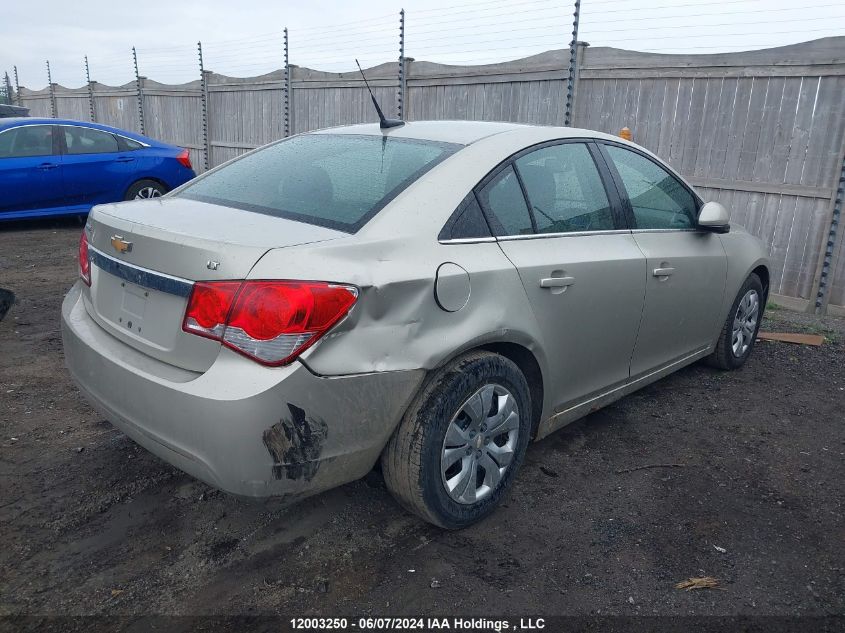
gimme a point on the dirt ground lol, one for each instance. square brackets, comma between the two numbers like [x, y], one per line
[92, 524]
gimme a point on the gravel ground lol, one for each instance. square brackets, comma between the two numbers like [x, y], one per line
[93, 524]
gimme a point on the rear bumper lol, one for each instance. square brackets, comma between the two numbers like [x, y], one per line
[244, 428]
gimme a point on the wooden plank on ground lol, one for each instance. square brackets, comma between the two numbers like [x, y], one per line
[787, 337]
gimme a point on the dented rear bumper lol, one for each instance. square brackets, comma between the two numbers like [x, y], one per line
[244, 428]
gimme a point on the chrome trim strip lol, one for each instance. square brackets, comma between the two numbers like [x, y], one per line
[467, 240]
[537, 236]
[140, 276]
[15, 127]
[88, 127]
[629, 384]
[689, 230]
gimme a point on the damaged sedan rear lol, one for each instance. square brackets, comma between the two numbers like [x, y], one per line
[431, 296]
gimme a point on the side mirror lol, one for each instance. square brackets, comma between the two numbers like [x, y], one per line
[714, 217]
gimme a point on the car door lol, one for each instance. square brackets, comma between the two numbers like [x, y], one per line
[95, 169]
[581, 268]
[686, 266]
[30, 169]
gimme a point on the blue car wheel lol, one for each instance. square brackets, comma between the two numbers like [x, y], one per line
[144, 189]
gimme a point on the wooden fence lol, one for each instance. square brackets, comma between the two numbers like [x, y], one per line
[762, 131]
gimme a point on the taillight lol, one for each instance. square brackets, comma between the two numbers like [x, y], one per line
[184, 158]
[84, 262]
[272, 322]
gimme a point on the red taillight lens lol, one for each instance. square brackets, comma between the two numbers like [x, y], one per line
[184, 157]
[272, 322]
[84, 262]
[209, 307]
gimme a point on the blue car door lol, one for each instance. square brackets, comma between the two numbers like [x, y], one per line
[30, 170]
[95, 170]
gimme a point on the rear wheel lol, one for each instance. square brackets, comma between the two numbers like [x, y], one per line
[739, 331]
[459, 445]
[144, 189]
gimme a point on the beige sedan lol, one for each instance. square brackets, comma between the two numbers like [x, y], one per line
[430, 297]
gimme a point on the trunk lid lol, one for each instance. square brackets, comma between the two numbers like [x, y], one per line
[145, 256]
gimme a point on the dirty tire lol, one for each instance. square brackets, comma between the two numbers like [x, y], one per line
[411, 462]
[7, 299]
[723, 356]
[144, 185]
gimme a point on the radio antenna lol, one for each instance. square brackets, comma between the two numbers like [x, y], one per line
[384, 122]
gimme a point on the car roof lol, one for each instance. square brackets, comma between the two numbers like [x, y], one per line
[460, 132]
[15, 121]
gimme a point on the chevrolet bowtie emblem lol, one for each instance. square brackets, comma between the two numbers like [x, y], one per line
[120, 244]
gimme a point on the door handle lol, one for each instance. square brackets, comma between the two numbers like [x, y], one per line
[663, 272]
[46, 166]
[124, 159]
[557, 282]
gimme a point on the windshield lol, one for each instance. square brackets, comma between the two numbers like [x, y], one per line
[334, 180]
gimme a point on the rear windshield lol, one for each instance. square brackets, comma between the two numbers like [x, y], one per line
[334, 180]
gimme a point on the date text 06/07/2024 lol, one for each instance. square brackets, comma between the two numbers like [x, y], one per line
[391, 624]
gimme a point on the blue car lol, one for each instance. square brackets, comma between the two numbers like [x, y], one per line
[61, 167]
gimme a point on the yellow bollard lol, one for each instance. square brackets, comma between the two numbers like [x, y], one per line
[625, 133]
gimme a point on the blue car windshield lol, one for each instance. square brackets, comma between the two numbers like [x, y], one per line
[335, 180]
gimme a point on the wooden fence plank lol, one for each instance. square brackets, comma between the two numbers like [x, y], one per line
[758, 130]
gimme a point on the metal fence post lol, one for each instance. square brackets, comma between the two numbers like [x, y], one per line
[401, 96]
[53, 108]
[286, 90]
[579, 62]
[91, 113]
[827, 263]
[140, 92]
[204, 86]
[573, 59]
[8, 89]
[17, 87]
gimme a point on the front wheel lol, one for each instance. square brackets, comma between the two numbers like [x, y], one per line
[739, 331]
[459, 445]
[145, 189]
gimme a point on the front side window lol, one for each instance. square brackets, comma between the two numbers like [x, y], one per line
[83, 140]
[334, 180]
[506, 209]
[29, 140]
[565, 190]
[658, 199]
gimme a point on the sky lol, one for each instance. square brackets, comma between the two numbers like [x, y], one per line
[245, 39]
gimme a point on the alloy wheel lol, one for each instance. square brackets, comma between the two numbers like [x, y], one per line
[147, 192]
[745, 323]
[480, 444]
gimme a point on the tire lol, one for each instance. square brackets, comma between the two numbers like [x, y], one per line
[729, 355]
[411, 462]
[144, 189]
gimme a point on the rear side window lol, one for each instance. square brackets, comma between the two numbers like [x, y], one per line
[658, 199]
[83, 140]
[130, 144]
[334, 180]
[29, 140]
[502, 198]
[467, 222]
[565, 189]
